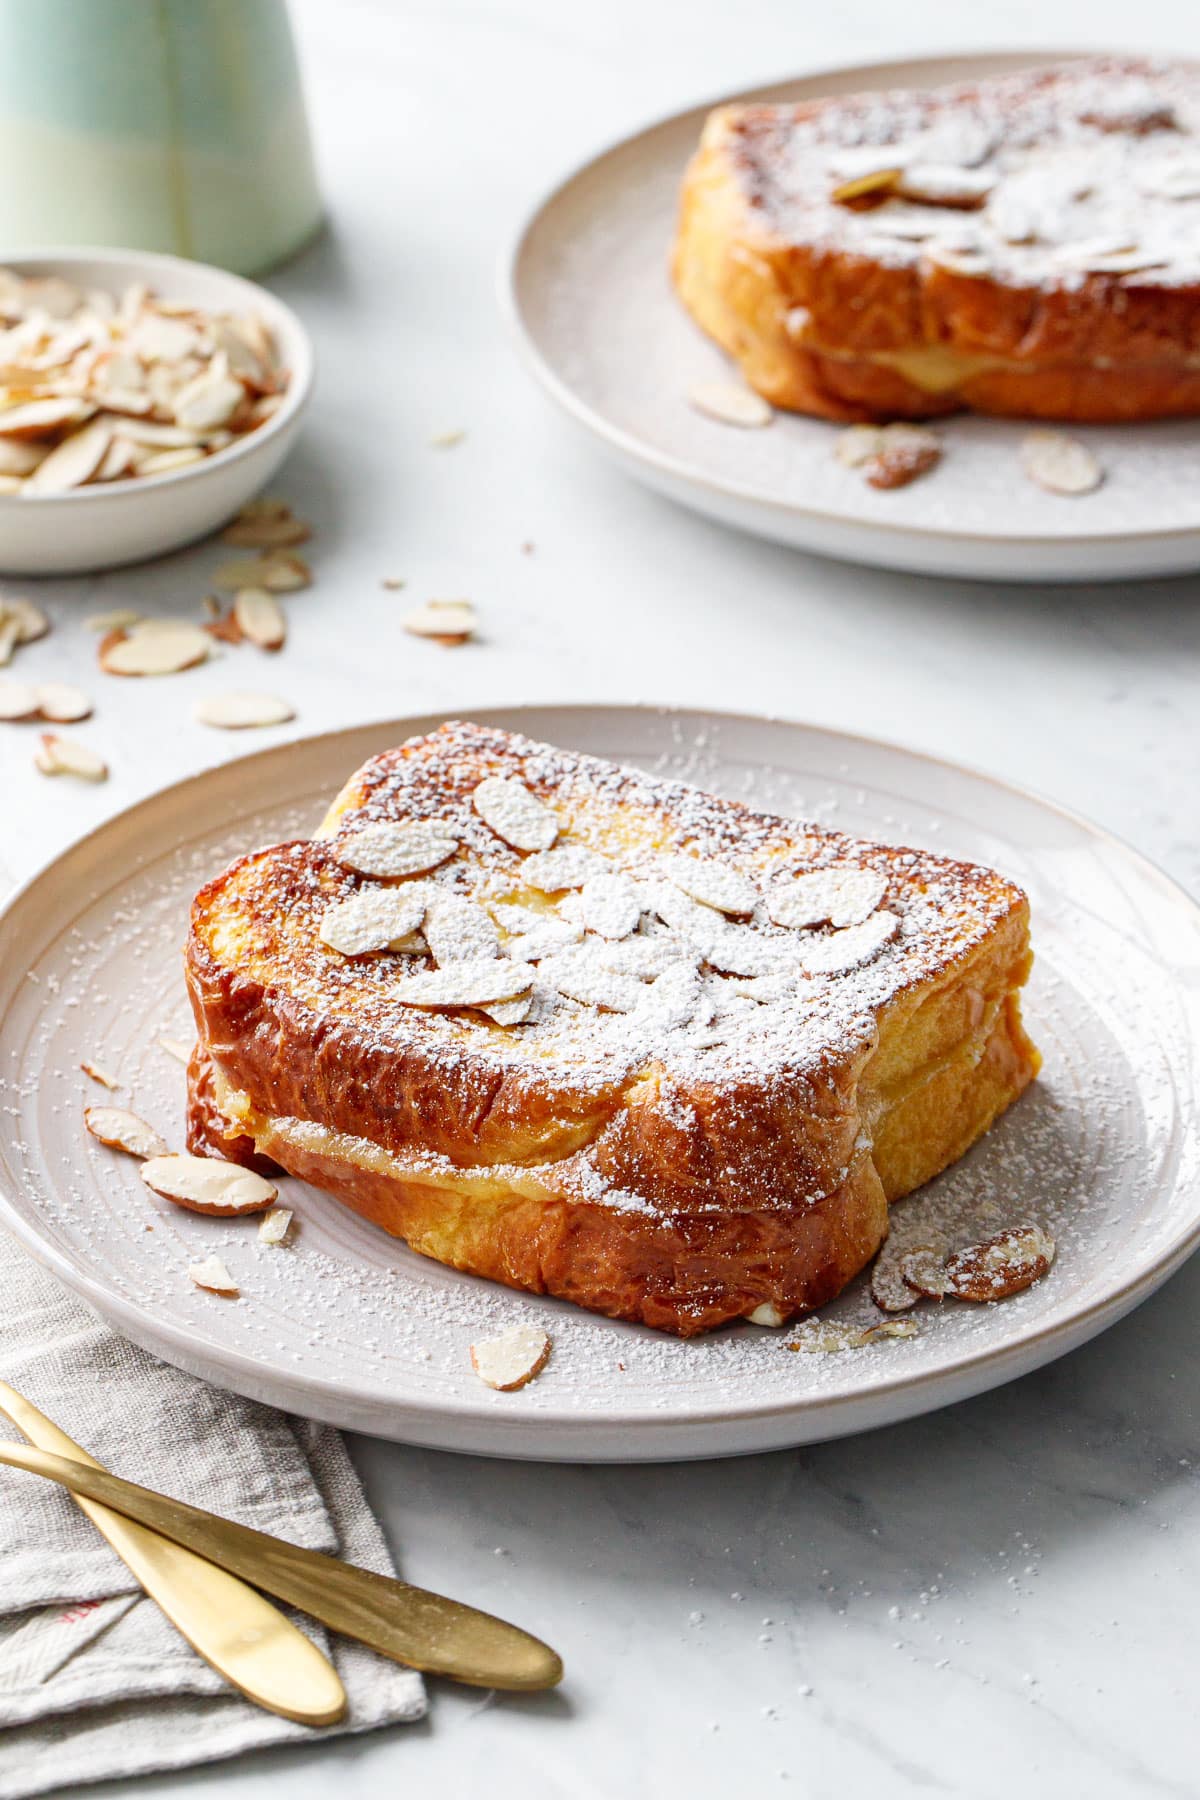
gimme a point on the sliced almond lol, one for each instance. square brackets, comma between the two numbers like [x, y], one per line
[260, 618]
[843, 951]
[459, 930]
[446, 440]
[259, 532]
[31, 622]
[1001, 1265]
[10, 635]
[208, 401]
[509, 1012]
[202, 1184]
[942, 184]
[154, 647]
[923, 1269]
[122, 1130]
[72, 462]
[61, 703]
[449, 621]
[569, 866]
[508, 808]
[875, 182]
[11, 484]
[1060, 463]
[165, 462]
[118, 461]
[889, 1290]
[65, 756]
[905, 452]
[177, 1048]
[889, 1328]
[858, 444]
[394, 848]
[152, 436]
[511, 1360]
[19, 457]
[241, 711]
[730, 404]
[275, 1226]
[96, 1073]
[118, 618]
[767, 1313]
[37, 418]
[374, 919]
[280, 573]
[213, 1276]
[18, 701]
[611, 905]
[842, 894]
[714, 884]
[479, 981]
[581, 974]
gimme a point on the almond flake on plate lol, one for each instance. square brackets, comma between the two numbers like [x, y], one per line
[509, 1361]
[65, 756]
[730, 404]
[446, 440]
[842, 894]
[276, 1225]
[449, 621]
[898, 464]
[122, 1130]
[266, 530]
[550, 871]
[119, 618]
[280, 573]
[18, 701]
[177, 1048]
[478, 981]
[1060, 463]
[714, 884]
[241, 711]
[611, 905]
[154, 647]
[844, 950]
[458, 929]
[213, 1276]
[203, 1184]
[62, 704]
[923, 1269]
[858, 444]
[96, 1073]
[28, 619]
[397, 847]
[374, 919]
[514, 814]
[1001, 1265]
[259, 617]
[767, 1313]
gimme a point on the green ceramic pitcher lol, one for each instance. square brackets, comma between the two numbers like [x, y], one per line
[173, 125]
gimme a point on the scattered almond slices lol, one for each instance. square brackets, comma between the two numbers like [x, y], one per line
[873, 173]
[118, 618]
[1060, 463]
[1002, 1265]
[944, 184]
[842, 951]
[923, 1269]
[610, 905]
[270, 525]
[204, 1185]
[17, 701]
[582, 974]
[889, 455]
[259, 617]
[509, 1012]
[730, 404]
[842, 894]
[394, 848]
[508, 808]
[214, 1277]
[19, 458]
[818, 1336]
[550, 871]
[513, 1359]
[39, 418]
[475, 981]
[447, 621]
[122, 1130]
[154, 647]
[446, 440]
[276, 1226]
[66, 756]
[280, 572]
[889, 1290]
[177, 1048]
[61, 704]
[241, 711]
[22, 622]
[95, 1073]
[374, 919]
[714, 884]
[459, 930]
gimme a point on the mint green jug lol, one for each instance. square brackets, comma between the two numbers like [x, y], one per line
[174, 125]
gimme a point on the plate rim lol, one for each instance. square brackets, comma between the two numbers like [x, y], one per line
[662, 465]
[1004, 1361]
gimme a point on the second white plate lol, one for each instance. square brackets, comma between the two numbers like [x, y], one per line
[352, 1327]
[591, 302]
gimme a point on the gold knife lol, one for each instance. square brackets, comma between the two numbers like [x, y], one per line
[243, 1637]
[409, 1624]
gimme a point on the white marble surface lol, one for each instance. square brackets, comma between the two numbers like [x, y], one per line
[995, 1600]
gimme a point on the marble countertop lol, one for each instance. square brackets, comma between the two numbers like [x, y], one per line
[997, 1599]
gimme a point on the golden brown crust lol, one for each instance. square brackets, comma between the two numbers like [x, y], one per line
[656, 1178]
[787, 292]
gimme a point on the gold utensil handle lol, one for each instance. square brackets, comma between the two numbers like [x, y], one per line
[409, 1624]
[243, 1637]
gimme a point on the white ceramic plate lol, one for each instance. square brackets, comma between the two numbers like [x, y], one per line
[589, 297]
[116, 522]
[350, 1326]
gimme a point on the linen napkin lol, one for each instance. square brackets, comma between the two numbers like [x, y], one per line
[94, 1683]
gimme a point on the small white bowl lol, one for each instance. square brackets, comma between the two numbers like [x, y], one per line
[127, 521]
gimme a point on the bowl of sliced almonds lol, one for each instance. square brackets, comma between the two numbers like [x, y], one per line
[143, 401]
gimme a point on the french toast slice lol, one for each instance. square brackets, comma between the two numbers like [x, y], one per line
[1028, 245]
[697, 1113]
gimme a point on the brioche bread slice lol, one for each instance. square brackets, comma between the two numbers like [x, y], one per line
[1028, 245]
[700, 1112]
